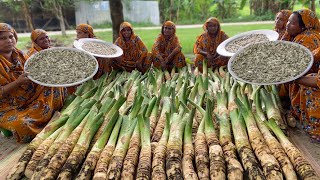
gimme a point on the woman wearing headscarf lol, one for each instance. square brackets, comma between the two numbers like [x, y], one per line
[84, 31]
[25, 107]
[39, 41]
[105, 66]
[281, 22]
[207, 43]
[134, 50]
[166, 51]
[303, 28]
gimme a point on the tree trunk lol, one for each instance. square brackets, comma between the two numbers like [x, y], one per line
[116, 12]
[313, 6]
[162, 11]
[28, 17]
[60, 17]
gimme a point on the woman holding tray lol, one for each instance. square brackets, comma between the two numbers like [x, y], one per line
[166, 51]
[25, 107]
[40, 40]
[281, 22]
[86, 31]
[207, 43]
[135, 52]
[303, 27]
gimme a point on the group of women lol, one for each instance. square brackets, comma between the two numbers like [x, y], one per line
[25, 107]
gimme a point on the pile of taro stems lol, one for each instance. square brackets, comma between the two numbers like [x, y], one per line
[162, 125]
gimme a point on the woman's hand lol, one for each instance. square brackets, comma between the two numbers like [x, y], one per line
[23, 79]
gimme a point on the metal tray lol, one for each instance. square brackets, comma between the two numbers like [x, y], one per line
[79, 43]
[62, 85]
[221, 49]
[233, 58]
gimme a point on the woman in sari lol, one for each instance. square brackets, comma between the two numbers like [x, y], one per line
[281, 22]
[86, 31]
[25, 107]
[207, 43]
[134, 50]
[166, 51]
[40, 40]
[303, 28]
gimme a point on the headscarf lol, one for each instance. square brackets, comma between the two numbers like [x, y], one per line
[310, 37]
[310, 19]
[121, 42]
[212, 20]
[204, 41]
[169, 23]
[286, 13]
[87, 29]
[34, 35]
[4, 27]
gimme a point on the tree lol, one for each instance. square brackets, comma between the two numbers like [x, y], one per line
[55, 6]
[23, 6]
[116, 12]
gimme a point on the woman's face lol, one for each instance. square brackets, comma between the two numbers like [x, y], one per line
[126, 32]
[293, 27]
[7, 42]
[81, 34]
[168, 30]
[43, 41]
[212, 27]
[280, 21]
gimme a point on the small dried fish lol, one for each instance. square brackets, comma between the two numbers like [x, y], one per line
[98, 48]
[60, 66]
[240, 42]
[270, 62]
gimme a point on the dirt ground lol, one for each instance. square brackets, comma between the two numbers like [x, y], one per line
[309, 148]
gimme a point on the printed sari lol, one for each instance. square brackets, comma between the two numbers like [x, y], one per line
[162, 48]
[305, 101]
[28, 108]
[209, 44]
[134, 50]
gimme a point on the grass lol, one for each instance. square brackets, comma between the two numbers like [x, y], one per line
[187, 37]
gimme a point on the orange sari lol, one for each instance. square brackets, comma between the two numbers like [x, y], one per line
[34, 46]
[208, 44]
[305, 101]
[286, 14]
[28, 108]
[134, 51]
[163, 48]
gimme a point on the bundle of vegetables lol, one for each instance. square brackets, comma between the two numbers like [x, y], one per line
[163, 125]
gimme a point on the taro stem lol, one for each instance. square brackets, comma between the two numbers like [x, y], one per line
[89, 164]
[144, 166]
[18, 170]
[272, 142]
[270, 165]
[80, 150]
[159, 156]
[248, 159]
